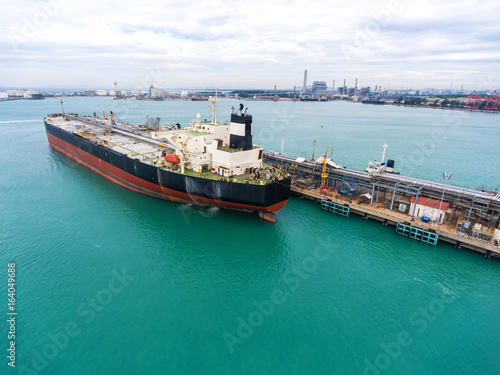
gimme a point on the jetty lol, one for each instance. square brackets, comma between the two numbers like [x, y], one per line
[422, 210]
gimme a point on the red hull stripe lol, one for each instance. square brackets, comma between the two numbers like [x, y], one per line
[137, 184]
[105, 169]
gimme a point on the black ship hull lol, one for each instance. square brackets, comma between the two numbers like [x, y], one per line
[161, 183]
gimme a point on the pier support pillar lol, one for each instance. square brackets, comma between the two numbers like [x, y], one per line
[470, 210]
[415, 205]
[393, 195]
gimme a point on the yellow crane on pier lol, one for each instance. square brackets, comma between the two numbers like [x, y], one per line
[324, 174]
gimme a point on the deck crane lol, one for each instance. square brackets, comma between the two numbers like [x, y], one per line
[324, 174]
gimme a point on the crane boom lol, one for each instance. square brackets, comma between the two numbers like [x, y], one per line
[324, 174]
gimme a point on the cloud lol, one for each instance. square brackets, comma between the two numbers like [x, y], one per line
[242, 43]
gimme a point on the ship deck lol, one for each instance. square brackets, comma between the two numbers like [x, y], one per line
[99, 133]
[135, 142]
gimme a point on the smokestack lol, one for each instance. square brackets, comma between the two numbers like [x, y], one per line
[305, 82]
[355, 87]
[343, 88]
[333, 87]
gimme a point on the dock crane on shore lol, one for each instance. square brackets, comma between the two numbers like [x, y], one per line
[324, 174]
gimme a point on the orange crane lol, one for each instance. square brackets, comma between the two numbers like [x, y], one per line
[324, 175]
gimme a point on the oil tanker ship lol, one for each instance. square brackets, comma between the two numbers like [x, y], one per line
[209, 163]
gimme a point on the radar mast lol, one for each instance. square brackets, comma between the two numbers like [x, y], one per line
[213, 100]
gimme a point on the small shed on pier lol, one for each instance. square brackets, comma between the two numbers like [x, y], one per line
[432, 208]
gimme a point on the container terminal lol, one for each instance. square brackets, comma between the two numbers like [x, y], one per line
[422, 210]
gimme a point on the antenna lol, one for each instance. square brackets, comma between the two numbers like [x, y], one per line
[212, 101]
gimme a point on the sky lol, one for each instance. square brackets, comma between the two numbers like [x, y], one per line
[249, 43]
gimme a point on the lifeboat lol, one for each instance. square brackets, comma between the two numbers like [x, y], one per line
[172, 158]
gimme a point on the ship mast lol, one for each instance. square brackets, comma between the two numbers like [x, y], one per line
[212, 101]
[383, 153]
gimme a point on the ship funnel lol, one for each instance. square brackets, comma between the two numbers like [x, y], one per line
[241, 130]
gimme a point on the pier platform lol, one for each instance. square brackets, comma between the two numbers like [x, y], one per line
[378, 212]
[467, 218]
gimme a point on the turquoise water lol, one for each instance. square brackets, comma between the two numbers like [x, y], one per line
[113, 282]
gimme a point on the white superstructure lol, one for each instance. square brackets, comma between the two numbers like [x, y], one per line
[215, 146]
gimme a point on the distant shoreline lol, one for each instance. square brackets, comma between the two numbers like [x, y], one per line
[449, 108]
[258, 100]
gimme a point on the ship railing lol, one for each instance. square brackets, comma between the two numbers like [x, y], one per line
[227, 149]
